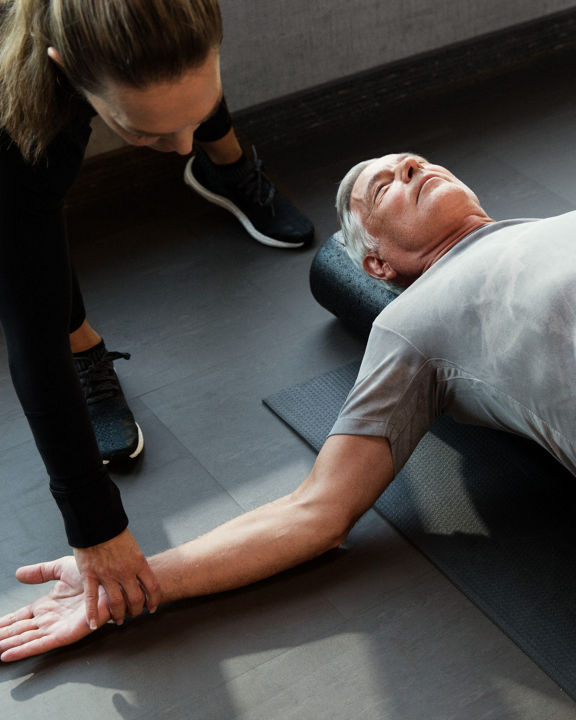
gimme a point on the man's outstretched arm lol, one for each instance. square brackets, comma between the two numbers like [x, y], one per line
[349, 474]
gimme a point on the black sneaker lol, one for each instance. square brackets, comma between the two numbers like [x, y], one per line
[244, 190]
[118, 435]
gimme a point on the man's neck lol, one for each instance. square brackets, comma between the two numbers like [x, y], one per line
[472, 223]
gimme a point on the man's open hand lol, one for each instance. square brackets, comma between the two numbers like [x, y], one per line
[55, 619]
[119, 566]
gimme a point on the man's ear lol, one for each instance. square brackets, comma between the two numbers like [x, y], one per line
[55, 56]
[379, 269]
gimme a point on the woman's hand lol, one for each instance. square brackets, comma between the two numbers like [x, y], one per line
[120, 568]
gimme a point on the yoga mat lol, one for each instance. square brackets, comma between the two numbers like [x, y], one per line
[494, 512]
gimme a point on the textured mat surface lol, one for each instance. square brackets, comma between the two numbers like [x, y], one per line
[494, 512]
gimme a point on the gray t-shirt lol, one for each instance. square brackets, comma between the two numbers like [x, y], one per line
[487, 335]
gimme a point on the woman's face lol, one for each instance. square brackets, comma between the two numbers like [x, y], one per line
[163, 115]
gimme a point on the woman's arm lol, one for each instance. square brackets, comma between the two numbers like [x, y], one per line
[35, 310]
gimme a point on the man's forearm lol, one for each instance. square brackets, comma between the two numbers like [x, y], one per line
[251, 547]
[349, 474]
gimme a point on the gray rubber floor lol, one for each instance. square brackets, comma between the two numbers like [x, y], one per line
[216, 322]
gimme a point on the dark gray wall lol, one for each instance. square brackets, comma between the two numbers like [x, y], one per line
[276, 47]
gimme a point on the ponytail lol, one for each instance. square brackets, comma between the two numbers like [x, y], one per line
[132, 42]
[32, 108]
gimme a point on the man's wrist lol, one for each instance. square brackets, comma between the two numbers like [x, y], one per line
[168, 576]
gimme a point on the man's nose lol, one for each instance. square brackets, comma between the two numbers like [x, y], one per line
[407, 168]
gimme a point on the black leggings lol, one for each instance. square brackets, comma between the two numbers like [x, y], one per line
[37, 289]
[40, 304]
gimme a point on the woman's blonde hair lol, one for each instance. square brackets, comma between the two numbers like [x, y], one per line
[132, 42]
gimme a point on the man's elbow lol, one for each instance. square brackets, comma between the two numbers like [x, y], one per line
[337, 526]
[327, 526]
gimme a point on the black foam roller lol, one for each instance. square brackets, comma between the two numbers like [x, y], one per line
[347, 292]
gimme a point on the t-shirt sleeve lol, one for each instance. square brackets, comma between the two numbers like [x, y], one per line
[394, 395]
[35, 304]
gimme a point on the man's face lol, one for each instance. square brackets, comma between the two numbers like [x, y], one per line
[411, 207]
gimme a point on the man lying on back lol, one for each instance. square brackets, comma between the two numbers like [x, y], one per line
[484, 331]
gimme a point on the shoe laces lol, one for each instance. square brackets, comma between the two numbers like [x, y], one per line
[256, 185]
[99, 380]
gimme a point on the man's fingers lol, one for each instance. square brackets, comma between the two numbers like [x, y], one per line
[22, 614]
[23, 636]
[91, 601]
[151, 587]
[39, 573]
[16, 628]
[27, 648]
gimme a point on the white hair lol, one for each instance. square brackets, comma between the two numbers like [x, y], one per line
[356, 239]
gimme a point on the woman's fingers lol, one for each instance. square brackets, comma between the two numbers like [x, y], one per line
[151, 587]
[91, 595]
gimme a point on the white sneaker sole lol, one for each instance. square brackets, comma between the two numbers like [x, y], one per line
[223, 202]
[139, 447]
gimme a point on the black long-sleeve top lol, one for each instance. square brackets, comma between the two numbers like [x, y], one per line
[35, 307]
